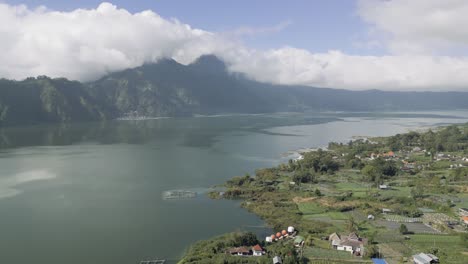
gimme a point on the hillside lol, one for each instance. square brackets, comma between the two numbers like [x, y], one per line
[168, 88]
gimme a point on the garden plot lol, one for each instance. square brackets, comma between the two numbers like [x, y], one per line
[331, 255]
[417, 228]
[437, 218]
[449, 245]
[403, 219]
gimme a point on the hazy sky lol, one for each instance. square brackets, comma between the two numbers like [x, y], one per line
[368, 44]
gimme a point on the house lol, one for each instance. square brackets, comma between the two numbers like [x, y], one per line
[370, 217]
[407, 166]
[463, 211]
[257, 250]
[389, 154]
[351, 243]
[383, 187]
[465, 220]
[417, 149]
[277, 260]
[386, 211]
[335, 239]
[301, 157]
[239, 251]
[442, 156]
[423, 258]
[298, 241]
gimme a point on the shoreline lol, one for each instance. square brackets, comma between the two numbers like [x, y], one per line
[274, 184]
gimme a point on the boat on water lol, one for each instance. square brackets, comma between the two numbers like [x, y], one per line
[178, 194]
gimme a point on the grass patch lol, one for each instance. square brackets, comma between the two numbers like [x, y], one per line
[449, 247]
[396, 192]
[464, 201]
[309, 208]
[330, 254]
[351, 186]
[337, 215]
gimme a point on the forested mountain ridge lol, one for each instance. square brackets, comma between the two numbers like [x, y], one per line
[44, 99]
[168, 88]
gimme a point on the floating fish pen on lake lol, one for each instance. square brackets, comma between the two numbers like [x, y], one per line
[156, 261]
[178, 194]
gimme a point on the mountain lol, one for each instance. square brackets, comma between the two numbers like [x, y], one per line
[168, 88]
[171, 89]
[44, 99]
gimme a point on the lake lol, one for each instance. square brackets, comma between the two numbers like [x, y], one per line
[91, 192]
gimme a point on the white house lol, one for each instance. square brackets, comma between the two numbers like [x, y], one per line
[416, 149]
[239, 251]
[386, 211]
[257, 250]
[351, 243]
[463, 211]
[301, 157]
[383, 187]
[277, 260]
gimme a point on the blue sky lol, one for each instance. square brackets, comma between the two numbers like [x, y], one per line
[317, 26]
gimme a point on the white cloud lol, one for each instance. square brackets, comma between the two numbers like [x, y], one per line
[338, 70]
[87, 44]
[418, 26]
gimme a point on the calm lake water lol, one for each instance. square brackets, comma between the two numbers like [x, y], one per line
[91, 193]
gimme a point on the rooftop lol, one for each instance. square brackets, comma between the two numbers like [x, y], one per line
[257, 248]
[379, 261]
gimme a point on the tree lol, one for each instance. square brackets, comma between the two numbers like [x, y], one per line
[403, 229]
[291, 165]
[372, 251]
[370, 172]
[389, 168]
[239, 181]
[351, 225]
[246, 239]
[317, 192]
[302, 176]
[417, 191]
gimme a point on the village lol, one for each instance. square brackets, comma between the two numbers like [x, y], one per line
[400, 199]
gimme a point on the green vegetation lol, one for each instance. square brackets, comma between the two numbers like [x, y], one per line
[345, 189]
[403, 229]
[448, 248]
[215, 250]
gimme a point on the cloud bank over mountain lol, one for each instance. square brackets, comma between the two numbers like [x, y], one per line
[86, 44]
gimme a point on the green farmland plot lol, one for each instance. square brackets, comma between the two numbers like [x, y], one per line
[449, 247]
[330, 254]
[309, 208]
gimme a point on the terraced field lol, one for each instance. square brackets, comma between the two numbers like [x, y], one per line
[417, 228]
[448, 246]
